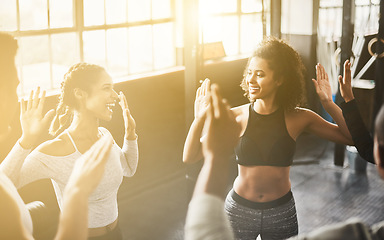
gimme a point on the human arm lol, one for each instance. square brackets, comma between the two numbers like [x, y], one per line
[206, 218]
[192, 146]
[359, 132]
[129, 157]
[85, 177]
[33, 123]
[11, 224]
[222, 136]
[335, 132]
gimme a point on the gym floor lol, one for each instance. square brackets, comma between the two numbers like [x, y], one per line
[324, 194]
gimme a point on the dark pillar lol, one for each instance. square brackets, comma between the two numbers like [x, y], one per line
[276, 18]
[346, 52]
[379, 68]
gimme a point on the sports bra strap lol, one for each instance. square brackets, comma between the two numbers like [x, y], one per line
[73, 142]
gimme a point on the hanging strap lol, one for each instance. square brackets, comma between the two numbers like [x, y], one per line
[73, 142]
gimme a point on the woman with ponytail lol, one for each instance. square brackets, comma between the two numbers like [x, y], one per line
[87, 96]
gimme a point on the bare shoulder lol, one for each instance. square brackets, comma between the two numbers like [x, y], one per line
[301, 113]
[241, 109]
[60, 146]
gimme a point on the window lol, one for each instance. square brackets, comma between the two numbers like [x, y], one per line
[331, 15]
[125, 36]
[236, 24]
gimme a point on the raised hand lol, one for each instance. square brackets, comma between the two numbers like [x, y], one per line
[222, 128]
[202, 101]
[129, 121]
[345, 83]
[33, 121]
[322, 86]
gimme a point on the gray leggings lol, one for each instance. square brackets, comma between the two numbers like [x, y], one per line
[272, 220]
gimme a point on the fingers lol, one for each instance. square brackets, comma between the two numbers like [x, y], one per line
[216, 101]
[347, 72]
[206, 86]
[36, 99]
[210, 111]
[41, 102]
[340, 79]
[123, 103]
[29, 104]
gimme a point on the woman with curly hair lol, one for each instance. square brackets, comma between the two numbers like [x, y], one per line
[261, 201]
[87, 96]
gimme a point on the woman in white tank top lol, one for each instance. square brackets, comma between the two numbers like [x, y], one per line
[87, 96]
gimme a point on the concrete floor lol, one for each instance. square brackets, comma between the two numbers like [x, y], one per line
[324, 194]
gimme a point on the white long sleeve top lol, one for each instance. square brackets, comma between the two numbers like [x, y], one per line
[102, 205]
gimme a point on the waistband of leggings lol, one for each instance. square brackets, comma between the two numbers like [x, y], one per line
[261, 205]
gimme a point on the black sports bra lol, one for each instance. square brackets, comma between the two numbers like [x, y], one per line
[266, 141]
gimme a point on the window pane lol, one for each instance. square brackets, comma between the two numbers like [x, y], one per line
[248, 6]
[331, 3]
[208, 7]
[35, 69]
[8, 19]
[140, 49]
[33, 14]
[139, 10]
[116, 11]
[251, 32]
[212, 29]
[117, 52]
[161, 9]
[61, 13]
[93, 12]
[164, 47]
[225, 29]
[94, 47]
[230, 30]
[65, 52]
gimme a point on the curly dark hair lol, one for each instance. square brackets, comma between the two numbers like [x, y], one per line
[286, 66]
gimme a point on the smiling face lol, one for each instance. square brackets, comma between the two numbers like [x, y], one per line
[101, 97]
[259, 80]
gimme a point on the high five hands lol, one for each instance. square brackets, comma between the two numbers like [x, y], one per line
[129, 121]
[345, 83]
[222, 128]
[33, 122]
[202, 99]
[323, 87]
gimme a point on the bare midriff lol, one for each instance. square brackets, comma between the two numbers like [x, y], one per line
[262, 183]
